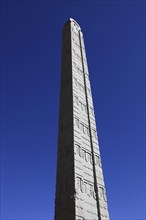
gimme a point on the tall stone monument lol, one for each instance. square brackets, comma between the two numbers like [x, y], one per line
[80, 189]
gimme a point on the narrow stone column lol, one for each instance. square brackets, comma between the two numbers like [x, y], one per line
[80, 189]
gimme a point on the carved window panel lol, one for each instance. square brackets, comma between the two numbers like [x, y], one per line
[85, 129]
[77, 149]
[83, 186]
[88, 157]
[82, 106]
[88, 132]
[97, 160]
[94, 194]
[94, 133]
[91, 160]
[102, 194]
[83, 154]
[77, 122]
[88, 189]
[78, 183]
[91, 190]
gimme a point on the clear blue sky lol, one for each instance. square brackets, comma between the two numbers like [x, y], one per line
[114, 33]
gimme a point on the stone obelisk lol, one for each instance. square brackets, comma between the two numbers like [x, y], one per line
[80, 189]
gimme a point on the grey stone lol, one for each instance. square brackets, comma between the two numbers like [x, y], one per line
[80, 189]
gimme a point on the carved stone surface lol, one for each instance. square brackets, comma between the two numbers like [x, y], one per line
[80, 190]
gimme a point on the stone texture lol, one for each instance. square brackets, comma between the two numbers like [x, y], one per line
[80, 190]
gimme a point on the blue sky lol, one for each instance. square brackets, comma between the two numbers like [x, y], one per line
[114, 34]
